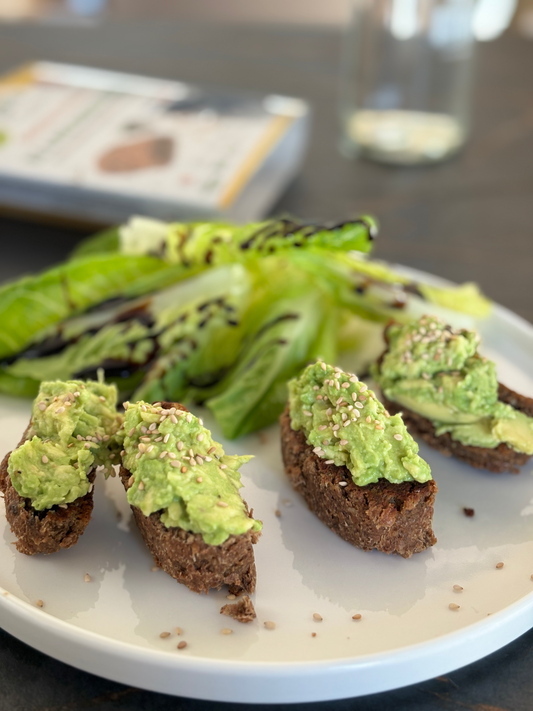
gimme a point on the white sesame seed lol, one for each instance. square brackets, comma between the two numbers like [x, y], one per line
[102, 398]
[369, 419]
[226, 630]
[345, 385]
[222, 504]
[269, 624]
[87, 578]
[354, 379]
[355, 415]
[44, 459]
[42, 406]
[337, 386]
[322, 427]
[141, 485]
[453, 606]
[307, 413]
[343, 442]
[76, 394]
[330, 461]
[323, 366]
[343, 483]
[398, 437]
[175, 464]
[354, 396]
[223, 466]
[200, 437]
[199, 459]
[208, 459]
[172, 455]
[130, 434]
[317, 617]
[458, 588]
[180, 446]
[152, 427]
[359, 405]
[60, 410]
[316, 450]
[348, 422]
[189, 417]
[166, 438]
[329, 412]
[363, 387]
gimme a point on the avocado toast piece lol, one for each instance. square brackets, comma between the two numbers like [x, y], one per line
[450, 397]
[48, 479]
[355, 465]
[183, 491]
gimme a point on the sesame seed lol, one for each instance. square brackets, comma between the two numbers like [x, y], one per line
[354, 396]
[63, 506]
[317, 617]
[343, 483]
[76, 394]
[335, 428]
[162, 419]
[348, 422]
[150, 448]
[183, 470]
[141, 447]
[175, 464]
[363, 387]
[131, 480]
[359, 405]
[458, 588]
[44, 459]
[189, 417]
[338, 387]
[379, 426]
[316, 387]
[208, 459]
[182, 644]
[369, 419]
[386, 413]
[138, 455]
[222, 504]
[42, 406]
[345, 385]
[102, 398]
[343, 442]
[322, 428]
[454, 606]
[323, 366]
[174, 419]
[329, 412]
[330, 461]
[130, 434]
[226, 630]
[163, 454]
[172, 455]
[398, 437]
[499, 565]
[307, 413]
[164, 635]
[231, 596]
[39, 603]
[223, 466]
[344, 416]
[87, 578]
[199, 459]
[60, 410]
[141, 485]
[357, 616]
[354, 379]
[277, 513]
[180, 446]
[199, 479]
[313, 634]
[268, 624]
[286, 502]
[211, 450]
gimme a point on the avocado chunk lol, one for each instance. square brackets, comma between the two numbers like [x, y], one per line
[347, 426]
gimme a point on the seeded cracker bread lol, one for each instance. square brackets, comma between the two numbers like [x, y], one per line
[187, 558]
[392, 518]
[500, 459]
[45, 531]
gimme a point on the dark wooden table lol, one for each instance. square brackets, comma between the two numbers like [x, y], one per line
[468, 219]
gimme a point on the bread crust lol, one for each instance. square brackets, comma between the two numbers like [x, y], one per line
[188, 559]
[392, 518]
[46, 531]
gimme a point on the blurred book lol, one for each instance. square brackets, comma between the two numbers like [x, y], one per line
[97, 146]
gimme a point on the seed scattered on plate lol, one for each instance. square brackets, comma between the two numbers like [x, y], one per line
[458, 588]
[231, 596]
[154, 568]
[499, 565]
[226, 630]
[357, 616]
[531, 577]
[286, 502]
[278, 514]
[313, 634]
[182, 644]
[270, 625]
[87, 578]
[178, 631]
[317, 617]
[164, 635]
[468, 512]
[454, 606]
[39, 603]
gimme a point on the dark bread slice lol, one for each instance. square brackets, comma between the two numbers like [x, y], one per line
[498, 460]
[392, 518]
[187, 558]
[46, 531]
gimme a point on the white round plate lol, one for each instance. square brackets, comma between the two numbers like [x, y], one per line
[111, 625]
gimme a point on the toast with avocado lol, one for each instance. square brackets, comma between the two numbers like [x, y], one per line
[184, 493]
[48, 479]
[356, 465]
[450, 397]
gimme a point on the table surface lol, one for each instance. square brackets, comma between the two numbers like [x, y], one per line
[469, 219]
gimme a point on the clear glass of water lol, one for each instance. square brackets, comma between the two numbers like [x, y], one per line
[406, 78]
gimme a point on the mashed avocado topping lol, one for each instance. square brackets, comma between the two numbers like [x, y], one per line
[347, 426]
[179, 470]
[73, 430]
[437, 372]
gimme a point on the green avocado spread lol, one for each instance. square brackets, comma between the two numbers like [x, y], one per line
[179, 470]
[347, 426]
[437, 372]
[73, 430]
